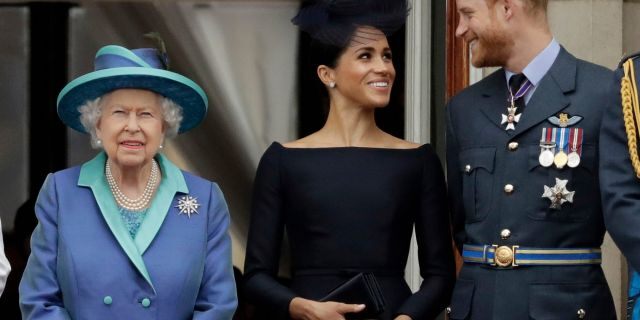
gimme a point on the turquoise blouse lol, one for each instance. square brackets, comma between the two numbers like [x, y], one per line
[132, 219]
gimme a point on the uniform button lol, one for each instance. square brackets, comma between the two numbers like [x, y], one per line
[513, 146]
[581, 314]
[505, 234]
[107, 300]
[448, 310]
[508, 188]
[467, 168]
[146, 302]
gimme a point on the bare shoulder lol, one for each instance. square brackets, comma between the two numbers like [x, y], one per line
[310, 141]
[397, 143]
[295, 144]
[408, 145]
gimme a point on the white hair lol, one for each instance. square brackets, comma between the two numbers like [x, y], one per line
[91, 111]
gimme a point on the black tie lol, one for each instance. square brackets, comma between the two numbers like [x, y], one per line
[515, 82]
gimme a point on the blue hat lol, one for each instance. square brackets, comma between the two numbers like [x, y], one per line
[117, 67]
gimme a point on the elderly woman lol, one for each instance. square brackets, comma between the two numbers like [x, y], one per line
[128, 235]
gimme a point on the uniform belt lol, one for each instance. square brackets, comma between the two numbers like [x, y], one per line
[513, 256]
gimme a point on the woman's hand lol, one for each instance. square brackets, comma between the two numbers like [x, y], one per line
[305, 309]
[403, 317]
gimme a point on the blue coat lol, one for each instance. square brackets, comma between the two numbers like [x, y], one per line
[496, 183]
[85, 265]
[619, 184]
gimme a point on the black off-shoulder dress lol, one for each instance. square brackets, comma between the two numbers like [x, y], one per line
[347, 210]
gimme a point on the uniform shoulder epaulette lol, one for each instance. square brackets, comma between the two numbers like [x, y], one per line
[628, 57]
[631, 107]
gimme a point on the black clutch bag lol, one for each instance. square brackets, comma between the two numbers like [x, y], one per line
[361, 289]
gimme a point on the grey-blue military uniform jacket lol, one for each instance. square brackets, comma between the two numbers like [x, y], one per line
[619, 184]
[496, 183]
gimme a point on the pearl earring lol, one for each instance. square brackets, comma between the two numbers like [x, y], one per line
[99, 142]
[161, 146]
[332, 84]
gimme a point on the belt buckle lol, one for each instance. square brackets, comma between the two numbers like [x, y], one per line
[504, 256]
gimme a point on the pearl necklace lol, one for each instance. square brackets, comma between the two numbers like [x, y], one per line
[134, 204]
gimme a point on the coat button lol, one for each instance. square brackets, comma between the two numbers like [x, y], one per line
[581, 313]
[513, 146]
[508, 188]
[146, 302]
[467, 168]
[107, 300]
[505, 234]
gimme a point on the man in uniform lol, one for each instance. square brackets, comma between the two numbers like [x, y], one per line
[620, 170]
[522, 162]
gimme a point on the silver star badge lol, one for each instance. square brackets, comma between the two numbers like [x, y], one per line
[188, 205]
[558, 194]
[511, 118]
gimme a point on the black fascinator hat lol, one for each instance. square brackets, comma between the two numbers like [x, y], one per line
[334, 22]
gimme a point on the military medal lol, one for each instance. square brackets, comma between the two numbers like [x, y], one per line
[511, 118]
[558, 194]
[546, 156]
[575, 137]
[573, 159]
[561, 159]
[547, 146]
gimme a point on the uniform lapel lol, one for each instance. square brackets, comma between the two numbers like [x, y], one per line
[92, 176]
[171, 183]
[494, 98]
[549, 97]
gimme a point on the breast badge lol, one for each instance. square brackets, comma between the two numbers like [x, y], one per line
[558, 194]
[564, 120]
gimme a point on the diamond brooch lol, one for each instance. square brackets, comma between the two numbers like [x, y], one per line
[188, 205]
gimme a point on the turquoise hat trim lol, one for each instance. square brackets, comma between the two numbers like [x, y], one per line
[100, 74]
[180, 89]
[117, 50]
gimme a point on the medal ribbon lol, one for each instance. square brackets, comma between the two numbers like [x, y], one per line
[576, 136]
[553, 140]
[547, 139]
[562, 139]
[524, 88]
[543, 139]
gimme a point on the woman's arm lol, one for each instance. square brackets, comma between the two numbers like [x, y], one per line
[435, 251]
[265, 239]
[263, 252]
[217, 297]
[40, 294]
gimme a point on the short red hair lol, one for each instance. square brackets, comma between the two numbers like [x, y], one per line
[532, 5]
